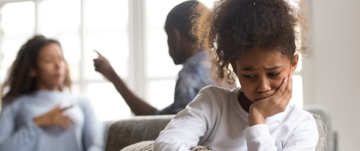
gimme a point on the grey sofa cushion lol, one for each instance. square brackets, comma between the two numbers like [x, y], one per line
[141, 146]
[148, 146]
[126, 132]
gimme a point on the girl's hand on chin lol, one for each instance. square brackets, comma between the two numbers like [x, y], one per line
[272, 105]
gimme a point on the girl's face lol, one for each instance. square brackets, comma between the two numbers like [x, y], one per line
[51, 67]
[261, 71]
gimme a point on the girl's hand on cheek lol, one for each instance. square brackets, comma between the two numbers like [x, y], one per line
[272, 105]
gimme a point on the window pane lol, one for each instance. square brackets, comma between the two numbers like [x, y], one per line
[208, 3]
[106, 14]
[158, 61]
[297, 97]
[108, 103]
[71, 47]
[72, 54]
[58, 16]
[75, 89]
[155, 15]
[74, 70]
[10, 48]
[161, 93]
[112, 45]
[18, 19]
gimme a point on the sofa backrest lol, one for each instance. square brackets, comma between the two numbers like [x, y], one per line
[143, 128]
[126, 132]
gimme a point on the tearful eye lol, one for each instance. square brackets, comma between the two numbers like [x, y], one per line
[248, 76]
[275, 74]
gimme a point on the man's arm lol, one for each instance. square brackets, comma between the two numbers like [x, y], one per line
[136, 104]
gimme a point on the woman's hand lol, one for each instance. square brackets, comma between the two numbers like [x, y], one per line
[272, 105]
[55, 117]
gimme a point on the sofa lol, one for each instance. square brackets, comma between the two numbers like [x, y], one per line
[146, 128]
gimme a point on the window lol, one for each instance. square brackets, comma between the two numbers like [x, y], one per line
[63, 26]
[297, 97]
[106, 30]
[14, 32]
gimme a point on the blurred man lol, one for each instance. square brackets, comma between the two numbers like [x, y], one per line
[191, 79]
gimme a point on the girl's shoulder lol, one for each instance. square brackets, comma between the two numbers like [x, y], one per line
[297, 110]
[298, 115]
[215, 95]
[215, 90]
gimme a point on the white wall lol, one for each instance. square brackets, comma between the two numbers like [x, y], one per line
[336, 41]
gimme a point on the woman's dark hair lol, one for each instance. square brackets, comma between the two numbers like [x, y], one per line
[234, 27]
[19, 81]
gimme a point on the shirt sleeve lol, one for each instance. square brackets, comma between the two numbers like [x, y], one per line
[185, 91]
[304, 138]
[16, 139]
[186, 128]
[94, 130]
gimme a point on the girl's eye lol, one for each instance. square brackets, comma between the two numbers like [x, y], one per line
[274, 74]
[248, 76]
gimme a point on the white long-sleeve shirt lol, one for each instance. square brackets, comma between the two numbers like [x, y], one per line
[216, 119]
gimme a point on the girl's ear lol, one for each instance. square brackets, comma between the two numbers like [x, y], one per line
[294, 63]
[233, 65]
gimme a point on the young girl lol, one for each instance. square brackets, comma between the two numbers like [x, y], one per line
[36, 114]
[257, 39]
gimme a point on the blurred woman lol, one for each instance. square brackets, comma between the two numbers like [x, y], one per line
[36, 114]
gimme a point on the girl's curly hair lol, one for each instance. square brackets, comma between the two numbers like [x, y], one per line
[233, 27]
